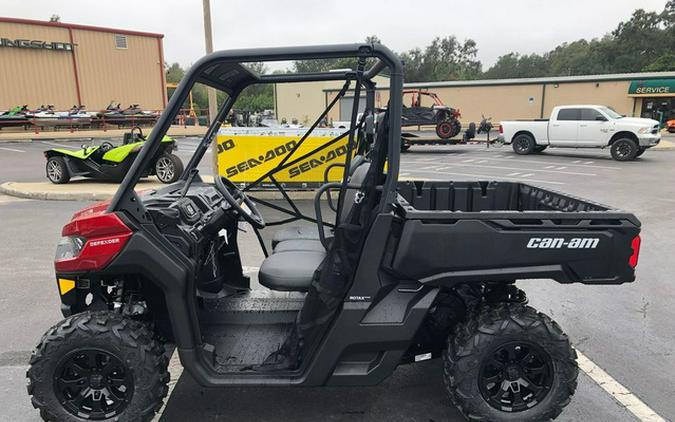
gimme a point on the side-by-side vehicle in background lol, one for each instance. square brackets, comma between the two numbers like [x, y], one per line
[111, 163]
[397, 273]
[583, 126]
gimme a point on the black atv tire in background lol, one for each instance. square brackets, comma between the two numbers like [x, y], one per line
[624, 149]
[98, 366]
[168, 168]
[523, 144]
[509, 362]
[57, 170]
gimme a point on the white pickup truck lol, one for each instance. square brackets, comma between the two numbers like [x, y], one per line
[583, 126]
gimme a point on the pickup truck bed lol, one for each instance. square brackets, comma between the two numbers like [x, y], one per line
[497, 231]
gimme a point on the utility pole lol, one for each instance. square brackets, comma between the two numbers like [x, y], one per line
[208, 37]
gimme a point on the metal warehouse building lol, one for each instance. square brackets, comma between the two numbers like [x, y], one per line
[633, 94]
[67, 64]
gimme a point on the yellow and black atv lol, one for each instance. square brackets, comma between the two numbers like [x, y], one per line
[108, 162]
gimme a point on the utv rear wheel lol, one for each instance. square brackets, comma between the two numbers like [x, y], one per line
[57, 170]
[523, 144]
[510, 363]
[624, 149]
[168, 168]
[98, 366]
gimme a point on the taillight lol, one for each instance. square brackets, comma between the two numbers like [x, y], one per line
[501, 129]
[90, 242]
[635, 245]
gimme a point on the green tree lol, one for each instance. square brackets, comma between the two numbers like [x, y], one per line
[444, 59]
[325, 65]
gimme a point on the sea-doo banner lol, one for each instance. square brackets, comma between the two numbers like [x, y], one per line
[245, 154]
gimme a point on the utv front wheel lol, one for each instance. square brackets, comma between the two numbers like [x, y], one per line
[98, 366]
[168, 168]
[510, 363]
[57, 171]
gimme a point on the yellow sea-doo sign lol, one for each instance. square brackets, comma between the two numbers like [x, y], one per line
[245, 154]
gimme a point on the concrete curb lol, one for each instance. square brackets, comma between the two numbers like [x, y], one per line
[35, 191]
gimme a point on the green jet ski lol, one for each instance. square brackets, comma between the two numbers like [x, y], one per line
[108, 162]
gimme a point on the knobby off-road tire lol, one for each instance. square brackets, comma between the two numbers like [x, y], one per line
[111, 339]
[481, 340]
[523, 144]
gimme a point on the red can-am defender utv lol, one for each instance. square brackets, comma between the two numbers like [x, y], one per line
[394, 278]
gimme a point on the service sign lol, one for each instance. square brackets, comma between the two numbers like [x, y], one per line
[245, 154]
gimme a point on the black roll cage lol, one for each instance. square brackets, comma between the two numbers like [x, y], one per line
[223, 70]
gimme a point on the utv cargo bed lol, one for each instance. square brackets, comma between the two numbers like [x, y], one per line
[496, 231]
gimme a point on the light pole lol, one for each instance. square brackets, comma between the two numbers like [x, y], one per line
[208, 37]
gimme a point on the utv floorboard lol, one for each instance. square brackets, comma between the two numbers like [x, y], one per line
[241, 345]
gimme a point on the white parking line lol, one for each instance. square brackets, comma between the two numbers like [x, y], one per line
[527, 175]
[482, 176]
[528, 169]
[620, 393]
[54, 144]
[576, 163]
[514, 174]
[12, 149]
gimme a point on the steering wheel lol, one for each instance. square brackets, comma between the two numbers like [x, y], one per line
[106, 146]
[235, 200]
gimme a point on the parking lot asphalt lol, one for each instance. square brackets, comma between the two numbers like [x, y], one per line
[626, 330]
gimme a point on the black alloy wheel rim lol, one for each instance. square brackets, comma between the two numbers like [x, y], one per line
[522, 144]
[93, 384]
[623, 149]
[517, 376]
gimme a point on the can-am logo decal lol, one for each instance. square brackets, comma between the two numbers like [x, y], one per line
[559, 243]
[37, 44]
[317, 162]
[104, 242]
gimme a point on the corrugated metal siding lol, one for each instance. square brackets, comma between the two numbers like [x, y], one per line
[35, 77]
[129, 76]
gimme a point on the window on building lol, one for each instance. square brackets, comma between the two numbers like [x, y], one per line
[121, 42]
[569, 114]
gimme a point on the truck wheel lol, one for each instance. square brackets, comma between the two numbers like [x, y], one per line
[444, 129]
[405, 146]
[57, 170]
[523, 144]
[98, 366]
[168, 168]
[640, 152]
[510, 363]
[624, 149]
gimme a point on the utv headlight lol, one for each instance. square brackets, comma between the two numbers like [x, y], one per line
[69, 247]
